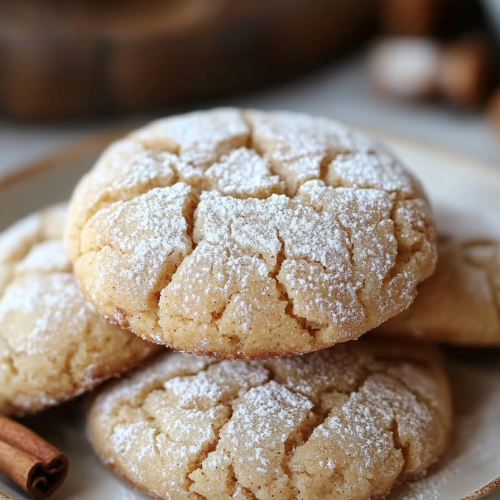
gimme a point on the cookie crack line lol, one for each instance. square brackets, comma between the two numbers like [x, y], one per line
[414, 251]
[398, 445]
[271, 376]
[160, 385]
[422, 401]
[350, 248]
[284, 296]
[249, 493]
[211, 448]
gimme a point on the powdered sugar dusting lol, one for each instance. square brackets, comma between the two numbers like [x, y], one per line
[468, 464]
[199, 138]
[47, 301]
[291, 136]
[277, 242]
[261, 424]
[54, 344]
[128, 164]
[15, 241]
[146, 232]
[47, 256]
[242, 428]
[140, 169]
[253, 180]
[363, 170]
[214, 385]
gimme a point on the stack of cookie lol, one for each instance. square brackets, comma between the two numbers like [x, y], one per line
[263, 244]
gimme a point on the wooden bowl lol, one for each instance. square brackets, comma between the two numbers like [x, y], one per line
[82, 57]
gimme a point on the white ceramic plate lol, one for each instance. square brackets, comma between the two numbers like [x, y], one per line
[466, 197]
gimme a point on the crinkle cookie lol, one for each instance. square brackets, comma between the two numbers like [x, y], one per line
[460, 303]
[53, 343]
[244, 234]
[345, 423]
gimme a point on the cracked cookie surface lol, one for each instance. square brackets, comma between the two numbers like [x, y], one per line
[54, 344]
[244, 234]
[345, 423]
[460, 303]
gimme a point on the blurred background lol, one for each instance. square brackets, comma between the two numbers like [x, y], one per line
[69, 69]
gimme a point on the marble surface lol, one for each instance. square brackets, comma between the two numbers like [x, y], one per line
[340, 91]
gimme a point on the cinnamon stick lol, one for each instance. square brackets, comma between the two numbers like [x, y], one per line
[30, 461]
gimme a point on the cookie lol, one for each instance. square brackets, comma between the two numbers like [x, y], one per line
[348, 422]
[54, 345]
[460, 303]
[244, 234]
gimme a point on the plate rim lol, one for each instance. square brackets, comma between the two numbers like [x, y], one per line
[485, 490]
[463, 161]
[98, 141]
[60, 155]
